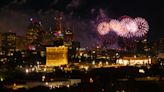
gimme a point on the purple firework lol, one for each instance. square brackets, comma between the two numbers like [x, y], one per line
[130, 25]
[143, 27]
[116, 26]
[103, 28]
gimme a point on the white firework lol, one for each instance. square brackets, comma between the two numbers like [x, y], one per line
[103, 28]
[130, 25]
[143, 27]
[116, 26]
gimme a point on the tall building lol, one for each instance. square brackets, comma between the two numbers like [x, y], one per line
[47, 38]
[34, 35]
[20, 43]
[0, 41]
[58, 23]
[154, 48]
[161, 49]
[58, 34]
[161, 45]
[142, 47]
[56, 56]
[68, 36]
[8, 48]
[8, 42]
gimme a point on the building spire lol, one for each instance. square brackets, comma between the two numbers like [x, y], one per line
[58, 23]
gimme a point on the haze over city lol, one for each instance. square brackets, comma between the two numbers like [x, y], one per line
[83, 14]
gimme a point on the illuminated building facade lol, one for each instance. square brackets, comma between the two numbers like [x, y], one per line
[56, 56]
[0, 41]
[8, 47]
[58, 23]
[20, 43]
[134, 61]
[142, 47]
[68, 37]
[58, 38]
[58, 34]
[8, 42]
[34, 35]
[47, 38]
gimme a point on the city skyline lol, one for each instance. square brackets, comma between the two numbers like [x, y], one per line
[15, 15]
[81, 45]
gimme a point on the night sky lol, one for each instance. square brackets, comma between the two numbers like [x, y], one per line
[15, 14]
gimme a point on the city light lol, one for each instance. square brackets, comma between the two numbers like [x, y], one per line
[27, 71]
[68, 86]
[141, 71]
[1, 79]
[46, 83]
[81, 45]
[107, 63]
[91, 80]
[93, 62]
[43, 78]
[134, 61]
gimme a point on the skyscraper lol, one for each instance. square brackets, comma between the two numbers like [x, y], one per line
[8, 42]
[8, 48]
[68, 36]
[161, 49]
[34, 35]
[47, 38]
[0, 41]
[20, 43]
[58, 34]
[58, 23]
[142, 47]
[161, 45]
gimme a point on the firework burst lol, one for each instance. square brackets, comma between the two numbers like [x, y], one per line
[130, 25]
[116, 26]
[103, 28]
[143, 27]
[130, 30]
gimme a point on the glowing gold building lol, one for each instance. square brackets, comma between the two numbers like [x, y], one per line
[56, 56]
